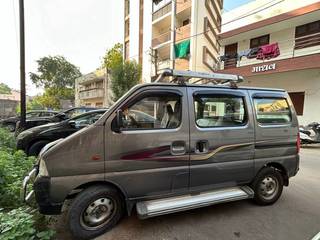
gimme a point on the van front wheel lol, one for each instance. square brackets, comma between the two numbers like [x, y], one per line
[95, 211]
[267, 186]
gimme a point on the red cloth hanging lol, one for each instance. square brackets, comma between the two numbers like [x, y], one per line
[268, 51]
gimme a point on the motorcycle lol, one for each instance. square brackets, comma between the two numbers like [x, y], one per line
[310, 134]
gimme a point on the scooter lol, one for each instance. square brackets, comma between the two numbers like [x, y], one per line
[310, 134]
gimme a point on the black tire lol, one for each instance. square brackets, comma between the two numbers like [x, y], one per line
[36, 147]
[264, 195]
[78, 211]
[11, 127]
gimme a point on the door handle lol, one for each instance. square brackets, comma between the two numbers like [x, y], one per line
[202, 146]
[178, 148]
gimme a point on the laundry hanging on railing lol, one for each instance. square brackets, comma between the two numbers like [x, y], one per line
[243, 53]
[268, 51]
[228, 56]
[253, 53]
[182, 49]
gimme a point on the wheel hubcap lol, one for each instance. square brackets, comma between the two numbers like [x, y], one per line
[269, 187]
[98, 213]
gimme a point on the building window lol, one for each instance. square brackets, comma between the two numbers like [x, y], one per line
[307, 35]
[99, 104]
[297, 99]
[272, 110]
[259, 41]
[219, 111]
[186, 22]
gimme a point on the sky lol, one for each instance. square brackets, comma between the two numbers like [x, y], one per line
[231, 4]
[79, 30]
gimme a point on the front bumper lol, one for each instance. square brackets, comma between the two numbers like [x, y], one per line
[41, 192]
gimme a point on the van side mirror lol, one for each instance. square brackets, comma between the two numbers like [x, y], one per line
[72, 124]
[119, 119]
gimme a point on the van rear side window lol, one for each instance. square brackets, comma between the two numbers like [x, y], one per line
[272, 110]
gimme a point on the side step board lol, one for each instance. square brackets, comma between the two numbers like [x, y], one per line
[163, 206]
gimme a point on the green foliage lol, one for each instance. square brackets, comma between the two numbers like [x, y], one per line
[124, 77]
[13, 167]
[55, 72]
[57, 76]
[7, 141]
[4, 89]
[18, 224]
[124, 74]
[114, 57]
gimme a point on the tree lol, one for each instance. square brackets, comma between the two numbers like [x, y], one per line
[124, 77]
[55, 72]
[114, 57]
[4, 89]
[57, 76]
[124, 74]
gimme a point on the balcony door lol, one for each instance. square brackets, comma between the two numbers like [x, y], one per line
[231, 51]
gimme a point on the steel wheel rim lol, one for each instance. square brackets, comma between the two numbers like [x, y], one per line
[269, 187]
[10, 128]
[98, 213]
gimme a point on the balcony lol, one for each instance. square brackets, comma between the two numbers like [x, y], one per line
[183, 5]
[91, 93]
[162, 12]
[182, 64]
[183, 32]
[289, 48]
[161, 39]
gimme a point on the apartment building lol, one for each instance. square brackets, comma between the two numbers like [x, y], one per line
[277, 44]
[93, 90]
[180, 34]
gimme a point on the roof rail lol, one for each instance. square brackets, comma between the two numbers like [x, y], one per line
[183, 77]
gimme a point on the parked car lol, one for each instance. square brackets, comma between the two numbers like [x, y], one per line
[11, 122]
[34, 139]
[206, 144]
[60, 116]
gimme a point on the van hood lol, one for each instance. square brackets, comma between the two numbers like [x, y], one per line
[78, 154]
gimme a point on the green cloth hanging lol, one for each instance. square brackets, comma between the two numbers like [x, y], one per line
[182, 49]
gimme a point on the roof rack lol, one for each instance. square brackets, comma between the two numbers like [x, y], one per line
[183, 77]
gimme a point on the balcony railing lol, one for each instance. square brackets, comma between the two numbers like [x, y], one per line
[163, 38]
[92, 93]
[183, 32]
[307, 41]
[290, 48]
[162, 11]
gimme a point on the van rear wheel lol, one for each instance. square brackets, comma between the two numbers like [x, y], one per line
[95, 211]
[267, 186]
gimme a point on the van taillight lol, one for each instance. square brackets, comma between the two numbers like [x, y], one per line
[298, 143]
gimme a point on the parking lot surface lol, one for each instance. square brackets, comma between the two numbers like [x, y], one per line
[296, 215]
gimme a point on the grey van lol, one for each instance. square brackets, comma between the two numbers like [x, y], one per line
[170, 146]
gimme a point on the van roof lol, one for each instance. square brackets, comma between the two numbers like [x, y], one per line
[212, 86]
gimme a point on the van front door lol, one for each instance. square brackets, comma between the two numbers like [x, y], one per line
[221, 139]
[149, 156]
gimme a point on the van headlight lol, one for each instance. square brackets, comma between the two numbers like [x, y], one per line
[43, 172]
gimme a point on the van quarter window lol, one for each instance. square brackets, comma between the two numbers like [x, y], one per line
[272, 110]
[154, 112]
[219, 111]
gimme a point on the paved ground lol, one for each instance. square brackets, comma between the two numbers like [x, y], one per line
[296, 215]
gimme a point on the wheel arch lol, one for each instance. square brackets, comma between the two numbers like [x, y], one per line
[279, 167]
[128, 204]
